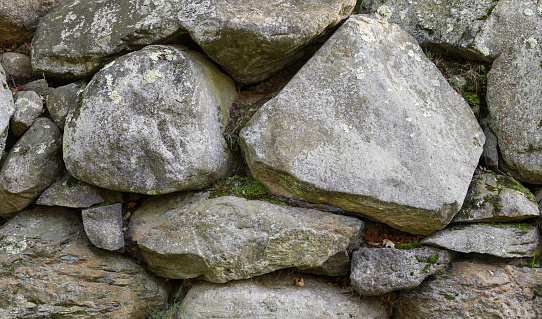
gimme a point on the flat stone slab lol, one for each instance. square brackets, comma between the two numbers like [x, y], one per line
[229, 238]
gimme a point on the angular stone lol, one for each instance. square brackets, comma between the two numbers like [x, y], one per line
[475, 290]
[70, 192]
[39, 86]
[228, 238]
[501, 240]
[7, 108]
[28, 106]
[31, 166]
[253, 39]
[491, 152]
[368, 125]
[376, 271]
[49, 269]
[103, 226]
[515, 108]
[16, 65]
[276, 296]
[62, 101]
[496, 198]
[152, 122]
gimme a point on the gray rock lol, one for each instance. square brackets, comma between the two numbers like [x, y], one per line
[18, 19]
[79, 36]
[501, 240]
[31, 166]
[103, 226]
[70, 192]
[28, 106]
[376, 271]
[16, 65]
[228, 238]
[62, 101]
[491, 152]
[496, 198]
[276, 296]
[515, 107]
[475, 290]
[152, 122]
[49, 269]
[253, 39]
[39, 86]
[368, 125]
[7, 108]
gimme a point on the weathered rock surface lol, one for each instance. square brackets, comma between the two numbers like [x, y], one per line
[376, 271]
[70, 192]
[18, 19]
[515, 107]
[103, 226]
[41, 87]
[497, 198]
[61, 102]
[31, 166]
[49, 269]
[253, 39]
[230, 238]
[7, 107]
[368, 125]
[276, 296]
[501, 240]
[28, 106]
[152, 122]
[491, 152]
[16, 65]
[474, 29]
[474, 290]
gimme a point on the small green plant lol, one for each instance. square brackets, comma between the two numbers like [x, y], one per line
[246, 187]
[533, 262]
[407, 246]
[449, 297]
[16, 291]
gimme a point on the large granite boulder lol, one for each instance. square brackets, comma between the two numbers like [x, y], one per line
[515, 107]
[501, 240]
[152, 122]
[471, 289]
[18, 19]
[276, 296]
[31, 166]
[473, 29]
[228, 238]
[49, 269]
[7, 108]
[496, 198]
[368, 125]
[376, 271]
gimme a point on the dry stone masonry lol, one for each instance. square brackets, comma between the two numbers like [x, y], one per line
[279, 159]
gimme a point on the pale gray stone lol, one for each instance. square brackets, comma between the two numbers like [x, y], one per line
[152, 122]
[376, 271]
[514, 99]
[368, 125]
[16, 65]
[31, 166]
[471, 289]
[229, 238]
[103, 225]
[501, 240]
[62, 101]
[276, 296]
[49, 269]
[7, 108]
[28, 106]
[496, 198]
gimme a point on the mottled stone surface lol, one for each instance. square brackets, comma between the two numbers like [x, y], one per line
[103, 226]
[501, 240]
[276, 296]
[16, 65]
[368, 125]
[41, 87]
[28, 106]
[7, 107]
[228, 238]
[31, 166]
[61, 102]
[49, 269]
[515, 108]
[376, 271]
[475, 290]
[152, 122]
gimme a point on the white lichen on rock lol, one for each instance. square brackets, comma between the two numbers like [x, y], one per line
[41, 149]
[528, 12]
[115, 96]
[483, 50]
[384, 11]
[531, 42]
[15, 247]
[152, 75]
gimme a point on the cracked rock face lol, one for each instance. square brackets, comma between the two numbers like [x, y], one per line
[368, 125]
[152, 122]
[229, 238]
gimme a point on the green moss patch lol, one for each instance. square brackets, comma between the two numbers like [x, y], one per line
[519, 226]
[245, 187]
[407, 246]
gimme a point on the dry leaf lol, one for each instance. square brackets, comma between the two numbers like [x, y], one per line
[388, 243]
